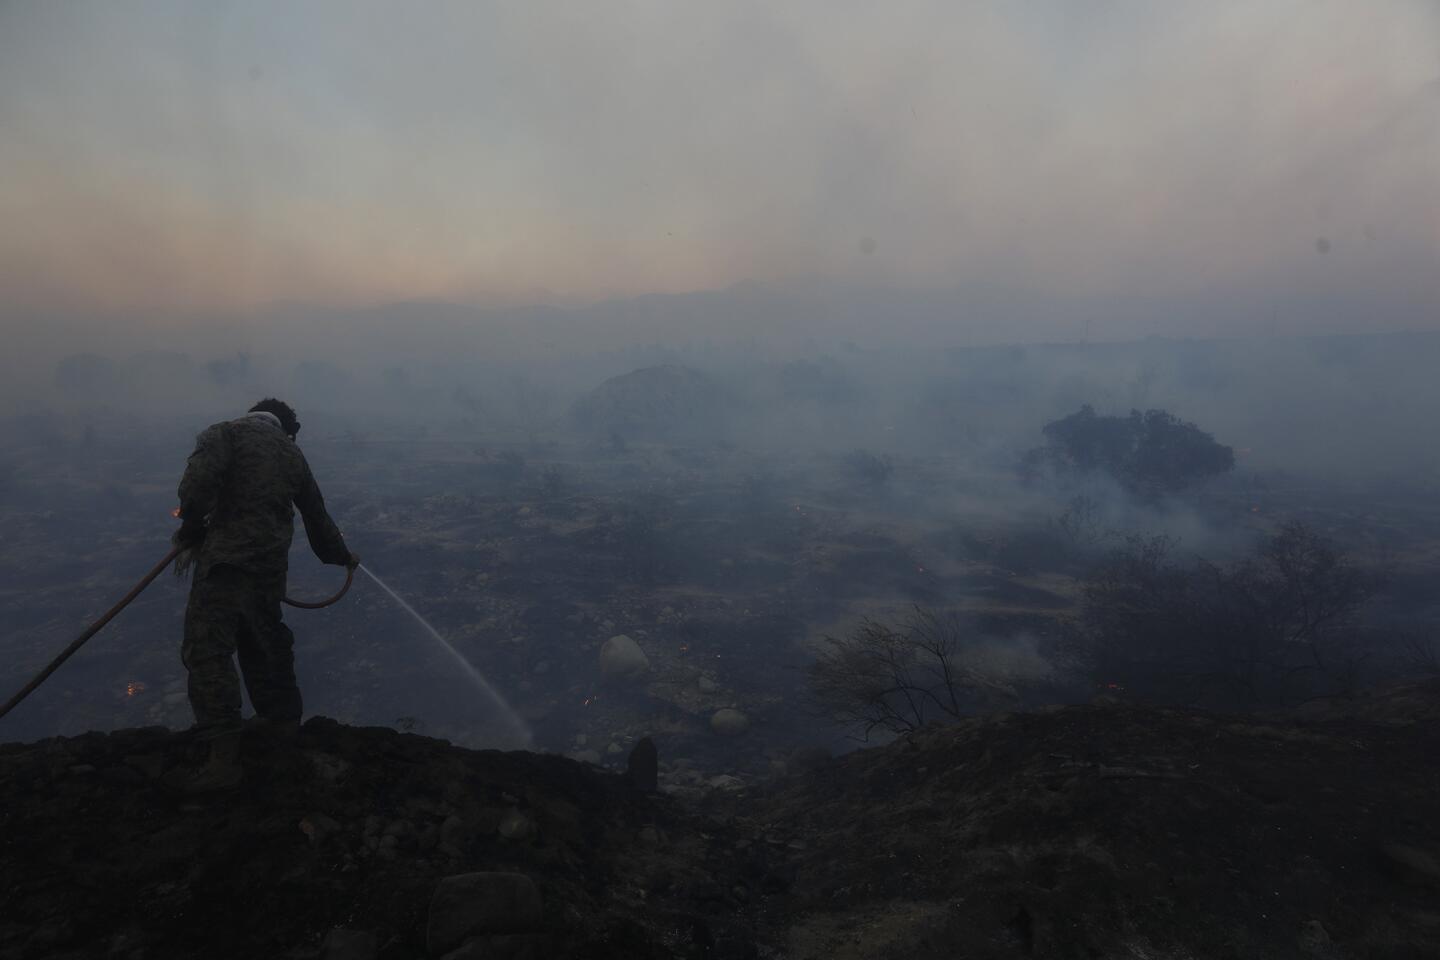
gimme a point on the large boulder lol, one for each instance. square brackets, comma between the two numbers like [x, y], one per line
[468, 904]
[622, 660]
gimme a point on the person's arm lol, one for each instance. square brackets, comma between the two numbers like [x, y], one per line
[320, 530]
[200, 493]
[204, 476]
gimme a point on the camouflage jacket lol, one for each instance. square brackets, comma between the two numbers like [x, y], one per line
[246, 477]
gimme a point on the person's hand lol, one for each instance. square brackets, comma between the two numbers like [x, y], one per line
[189, 534]
[353, 561]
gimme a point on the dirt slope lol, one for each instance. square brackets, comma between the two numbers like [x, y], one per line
[1097, 831]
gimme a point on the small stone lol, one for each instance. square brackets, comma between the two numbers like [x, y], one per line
[317, 827]
[453, 832]
[614, 749]
[1314, 940]
[516, 826]
[345, 944]
[329, 768]
[725, 782]
[468, 904]
[707, 685]
[729, 722]
[151, 765]
[581, 739]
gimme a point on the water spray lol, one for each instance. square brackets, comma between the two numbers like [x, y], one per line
[517, 725]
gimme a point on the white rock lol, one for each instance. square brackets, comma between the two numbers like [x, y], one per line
[729, 722]
[621, 659]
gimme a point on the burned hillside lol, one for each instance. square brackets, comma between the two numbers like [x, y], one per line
[1100, 830]
[575, 592]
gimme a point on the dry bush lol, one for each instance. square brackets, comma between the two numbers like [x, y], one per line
[1420, 657]
[1276, 627]
[898, 678]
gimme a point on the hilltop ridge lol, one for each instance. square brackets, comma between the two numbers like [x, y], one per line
[1088, 831]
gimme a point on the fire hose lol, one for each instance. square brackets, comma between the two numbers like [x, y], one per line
[124, 602]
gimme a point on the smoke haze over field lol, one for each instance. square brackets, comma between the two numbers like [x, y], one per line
[993, 171]
[469, 217]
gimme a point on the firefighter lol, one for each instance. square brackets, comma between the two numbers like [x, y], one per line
[238, 496]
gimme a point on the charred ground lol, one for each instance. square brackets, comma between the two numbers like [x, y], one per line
[1086, 831]
[1096, 829]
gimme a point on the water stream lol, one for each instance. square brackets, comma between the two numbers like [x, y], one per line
[520, 729]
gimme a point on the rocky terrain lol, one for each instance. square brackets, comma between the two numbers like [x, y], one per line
[1103, 830]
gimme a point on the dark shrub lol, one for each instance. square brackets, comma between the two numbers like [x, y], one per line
[1150, 454]
[1274, 628]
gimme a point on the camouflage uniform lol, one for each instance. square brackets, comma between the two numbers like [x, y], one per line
[247, 477]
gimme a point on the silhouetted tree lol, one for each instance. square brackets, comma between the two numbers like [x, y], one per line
[1150, 454]
[897, 678]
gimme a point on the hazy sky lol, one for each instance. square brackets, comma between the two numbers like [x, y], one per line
[181, 157]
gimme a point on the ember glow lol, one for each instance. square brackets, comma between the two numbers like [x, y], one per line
[134, 687]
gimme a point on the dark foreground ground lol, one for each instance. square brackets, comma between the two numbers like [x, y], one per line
[1083, 832]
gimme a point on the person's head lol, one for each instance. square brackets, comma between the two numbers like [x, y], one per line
[282, 411]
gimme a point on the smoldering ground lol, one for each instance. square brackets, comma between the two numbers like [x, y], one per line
[726, 508]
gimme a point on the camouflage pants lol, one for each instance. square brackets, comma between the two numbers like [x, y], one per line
[232, 613]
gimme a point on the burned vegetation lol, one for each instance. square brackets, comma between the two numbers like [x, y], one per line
[690, 625]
